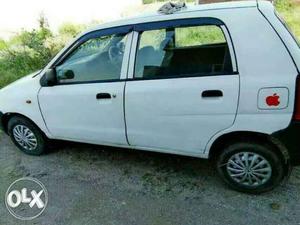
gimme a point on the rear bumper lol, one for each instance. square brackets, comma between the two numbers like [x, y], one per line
[290, 138]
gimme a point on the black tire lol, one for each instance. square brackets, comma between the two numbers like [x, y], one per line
[40, 139]
[264, 152]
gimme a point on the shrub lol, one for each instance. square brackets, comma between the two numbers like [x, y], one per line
[29, 51]
[283, 5]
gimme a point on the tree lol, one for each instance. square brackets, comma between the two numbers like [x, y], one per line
[42, 20]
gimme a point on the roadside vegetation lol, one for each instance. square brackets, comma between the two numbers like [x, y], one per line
[290, 11]
[28, 51]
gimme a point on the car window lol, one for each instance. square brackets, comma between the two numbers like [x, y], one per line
[182, 52]
[201, 35]
[97, 59]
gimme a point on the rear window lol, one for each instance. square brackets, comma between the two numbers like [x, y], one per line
[288, 28]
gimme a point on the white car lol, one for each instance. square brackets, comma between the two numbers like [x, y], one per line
[210, 81]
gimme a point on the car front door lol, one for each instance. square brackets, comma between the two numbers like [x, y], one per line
[86, 103]
[184, 87]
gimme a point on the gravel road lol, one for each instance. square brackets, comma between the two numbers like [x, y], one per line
[90, 185]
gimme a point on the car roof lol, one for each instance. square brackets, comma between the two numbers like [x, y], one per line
[155, 16]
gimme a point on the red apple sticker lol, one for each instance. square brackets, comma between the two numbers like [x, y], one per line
[273, 100]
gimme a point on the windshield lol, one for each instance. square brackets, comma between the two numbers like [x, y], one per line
[288, 28]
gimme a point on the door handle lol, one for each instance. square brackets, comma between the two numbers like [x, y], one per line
[103, 96]
[212, 94]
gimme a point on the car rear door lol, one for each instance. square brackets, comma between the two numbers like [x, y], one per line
[184, 85]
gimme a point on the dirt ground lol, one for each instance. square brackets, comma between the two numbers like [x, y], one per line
[90, 185]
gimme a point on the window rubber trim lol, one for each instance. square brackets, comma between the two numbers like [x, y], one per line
[234, 62]
[94, 34]
[201, 21]
[150, 78]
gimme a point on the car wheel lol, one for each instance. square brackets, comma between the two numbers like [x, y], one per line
[251, 167]
[26, 136]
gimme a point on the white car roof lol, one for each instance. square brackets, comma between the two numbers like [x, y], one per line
[190, 8]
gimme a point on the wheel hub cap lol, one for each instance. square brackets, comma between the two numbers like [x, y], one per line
[25, 137]
[249, 169]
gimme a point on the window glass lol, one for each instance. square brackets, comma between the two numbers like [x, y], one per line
[97, 59]
[153, 38]
[182, 52]
[201, 35]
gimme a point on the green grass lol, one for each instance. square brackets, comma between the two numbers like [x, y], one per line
[29, 51]
[7, 77]
[291, 14]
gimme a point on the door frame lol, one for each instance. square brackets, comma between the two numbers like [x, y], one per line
[204, 21]
[74, 45]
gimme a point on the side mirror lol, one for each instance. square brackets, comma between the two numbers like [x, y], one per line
[67, 75]
[49, 78]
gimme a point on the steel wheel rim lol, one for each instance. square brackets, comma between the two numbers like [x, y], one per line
[25, 137]
[249, 169]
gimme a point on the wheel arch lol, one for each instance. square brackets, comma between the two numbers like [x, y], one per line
[222, 141]
[7, 116]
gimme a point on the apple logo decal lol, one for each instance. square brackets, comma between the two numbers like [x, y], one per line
[273, 100]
